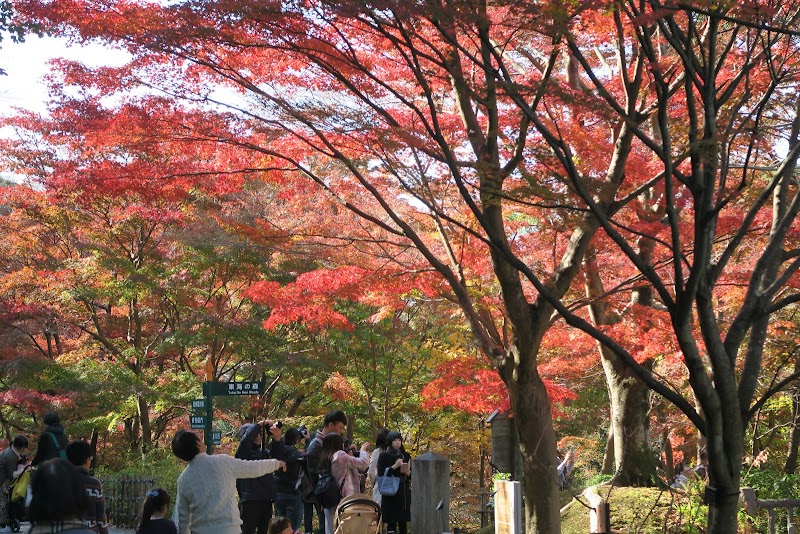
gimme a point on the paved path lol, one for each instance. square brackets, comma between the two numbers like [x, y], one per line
[26, 526]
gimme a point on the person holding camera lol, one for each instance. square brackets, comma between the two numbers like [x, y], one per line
[288, 502]
[256, 494]
[309, 506]
[343, 467]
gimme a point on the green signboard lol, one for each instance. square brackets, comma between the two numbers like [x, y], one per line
[203, 412]
[232, 388]
[198, 421]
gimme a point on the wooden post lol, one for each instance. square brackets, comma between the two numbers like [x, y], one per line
[508, 508]
[430, 493]
[599, 514]
[599, 519]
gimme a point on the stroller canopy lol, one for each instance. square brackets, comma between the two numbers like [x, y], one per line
[357, 514]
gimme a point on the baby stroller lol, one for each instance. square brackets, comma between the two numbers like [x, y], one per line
[17, 493]
[357, 514]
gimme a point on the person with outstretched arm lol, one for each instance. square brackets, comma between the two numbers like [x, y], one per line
[206, 499]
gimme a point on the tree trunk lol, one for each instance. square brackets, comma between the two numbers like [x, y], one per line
[634, 462]
[608, 455]
[298, 400]
[725, 431]
[669, 460]
[723, 510]
[144, 421]
[533, 422]
[630, 401]
[794, 439]
[93, 442]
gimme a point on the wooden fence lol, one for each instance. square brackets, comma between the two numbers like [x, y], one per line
[124, 497]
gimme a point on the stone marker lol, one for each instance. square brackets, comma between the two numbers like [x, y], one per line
[430, 493]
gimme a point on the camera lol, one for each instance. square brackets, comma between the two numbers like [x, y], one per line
[277, 424]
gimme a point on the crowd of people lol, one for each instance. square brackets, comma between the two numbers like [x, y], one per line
[59, 493]
[278, 482]
[269, 468]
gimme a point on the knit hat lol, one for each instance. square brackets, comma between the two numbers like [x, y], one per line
[244, 429]
[391, 436]
[51, 418]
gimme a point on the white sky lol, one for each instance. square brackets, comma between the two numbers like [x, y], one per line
[26, 64]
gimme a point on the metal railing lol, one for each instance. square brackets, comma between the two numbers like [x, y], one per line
[124, 497]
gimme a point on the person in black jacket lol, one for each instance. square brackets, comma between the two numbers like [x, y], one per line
[256, 494]
[288, 502]
[52, 442]
[396, 509]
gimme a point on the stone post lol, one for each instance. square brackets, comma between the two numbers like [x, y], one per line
[430, 493]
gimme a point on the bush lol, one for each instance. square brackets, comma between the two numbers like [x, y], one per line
[159, 464]
[771, 483]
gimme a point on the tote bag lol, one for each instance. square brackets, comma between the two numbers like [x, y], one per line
[388, 486]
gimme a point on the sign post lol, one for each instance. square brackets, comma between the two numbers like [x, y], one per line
[203, 409]
[207, 429]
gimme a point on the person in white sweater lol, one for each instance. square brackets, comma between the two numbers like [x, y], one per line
[372, 472]
[206, 500]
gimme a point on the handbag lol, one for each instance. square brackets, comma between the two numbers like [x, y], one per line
[327, 492]
[388, 486]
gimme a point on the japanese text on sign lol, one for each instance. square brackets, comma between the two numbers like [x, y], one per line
[232, 388]
[243, 388]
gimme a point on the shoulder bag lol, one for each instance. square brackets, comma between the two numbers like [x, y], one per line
[388, 486]
[326, 491]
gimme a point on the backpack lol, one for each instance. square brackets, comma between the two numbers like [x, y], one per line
[306, 487]
[326, 491]
[61, 452]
